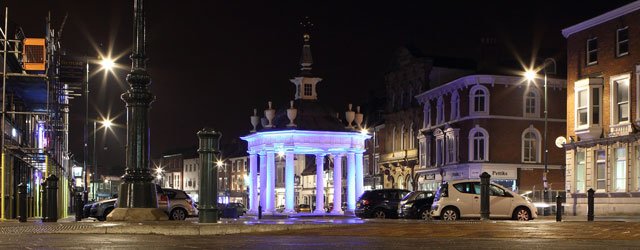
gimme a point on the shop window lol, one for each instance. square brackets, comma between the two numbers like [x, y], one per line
[601, 170]
[580, 172]
[620, 171]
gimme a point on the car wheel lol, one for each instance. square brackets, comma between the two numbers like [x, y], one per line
[379, 214]
[521, 214]
[450, 214]
[178, 214]
[425, 214]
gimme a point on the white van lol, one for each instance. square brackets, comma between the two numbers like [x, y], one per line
[461, 199]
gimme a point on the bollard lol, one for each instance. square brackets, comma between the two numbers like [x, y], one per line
[559, 207]
[52, 199]
[590, 204]
[484, 196]
[209, 153]
[43, 196]
[259, 212]
[547, 207]
[22, 202]
[79, 206]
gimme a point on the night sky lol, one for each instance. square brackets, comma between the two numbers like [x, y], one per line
[212, 62]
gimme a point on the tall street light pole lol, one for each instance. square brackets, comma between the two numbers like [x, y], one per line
[137, 200]
[105, 124]
[531, 75]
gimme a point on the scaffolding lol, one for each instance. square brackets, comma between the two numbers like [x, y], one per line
[35, 117]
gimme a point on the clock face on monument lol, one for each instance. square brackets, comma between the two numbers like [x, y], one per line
[560, 141]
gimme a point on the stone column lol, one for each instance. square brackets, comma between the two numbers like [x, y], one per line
[271, 181]
[351, 183]
[337, 184]
[319, 184]
[288, 183]
[253, 188]
[359, 175]
[263, 180]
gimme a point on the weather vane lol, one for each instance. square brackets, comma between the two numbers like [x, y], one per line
[306, 27]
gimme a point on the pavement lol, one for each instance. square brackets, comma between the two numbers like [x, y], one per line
[332, 224]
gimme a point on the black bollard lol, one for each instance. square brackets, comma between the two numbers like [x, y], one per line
[484, 196]
[79, 206]
[22, 202]
[52, 199]
[43, 199]
[590, 204]
[558, 207]
[259, 212]
[209, 153]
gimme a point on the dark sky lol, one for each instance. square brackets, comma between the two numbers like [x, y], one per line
[212, 62]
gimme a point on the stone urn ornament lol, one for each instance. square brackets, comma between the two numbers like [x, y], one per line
[255, 120]
[350, 116]
[291, 114]
[270, 114]
[359, 118]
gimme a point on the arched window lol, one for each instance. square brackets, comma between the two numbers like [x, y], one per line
[427, 115]
[455, 106]
[531, 145]
[531, 103]
[403, 146]
[440, 111]
[393, 140]
[412, 138]
[478, 144]
[400, 182]
[479, 100]
[439, 135]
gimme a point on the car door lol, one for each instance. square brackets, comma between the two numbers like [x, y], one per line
[500, 202]
[466, 199]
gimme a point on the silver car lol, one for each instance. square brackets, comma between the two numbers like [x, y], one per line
[181, 205]
[101, 209]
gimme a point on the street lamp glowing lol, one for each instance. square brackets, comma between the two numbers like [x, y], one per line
[107, 64]
[219, 163]
[530, 75]
[106, 123]
[364, 131]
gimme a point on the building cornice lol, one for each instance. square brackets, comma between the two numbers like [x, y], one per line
[601, 19]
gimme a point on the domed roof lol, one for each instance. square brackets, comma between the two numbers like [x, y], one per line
[311, 115]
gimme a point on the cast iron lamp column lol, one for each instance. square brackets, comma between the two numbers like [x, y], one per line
[137, 199]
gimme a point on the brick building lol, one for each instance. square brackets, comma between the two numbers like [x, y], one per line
[602, 112]
[491, 123]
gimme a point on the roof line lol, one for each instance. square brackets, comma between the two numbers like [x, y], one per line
[631, 7]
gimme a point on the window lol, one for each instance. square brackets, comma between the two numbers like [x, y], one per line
[637, 168]
[439, 147]
[620, 174]
[423, 151]
[588, 99]
[478, 144]
[308, 89]
[601, 170]
[479, 100]
[467, 188]
[452, 145]
[592, 51]
[393, 139]
[620, 99]
[455, 106]
[580, 172]
[531, 103]
[402, 138]
[622, 41]
[427, 115]
[531, 145]
[440, 111]
[412, 138]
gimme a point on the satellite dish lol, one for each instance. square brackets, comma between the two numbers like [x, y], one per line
[560, 141]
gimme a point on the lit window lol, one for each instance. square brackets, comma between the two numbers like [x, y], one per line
[622, 37]
[601, 170]
[620, 174]
[620, 99]
[592, 51]
[531, 145]
[580, 172]
[479, 100]
[588, 99]
[478, 144]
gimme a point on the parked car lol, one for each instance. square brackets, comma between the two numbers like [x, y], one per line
[380, 203]
[86, 209]
[461, 199]
[161, 197]
[180, 205]
[416, 205]
[101, 209]
[303, 208]
[241, 209]
[329, 207]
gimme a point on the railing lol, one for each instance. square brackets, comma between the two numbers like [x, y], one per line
[544, 200]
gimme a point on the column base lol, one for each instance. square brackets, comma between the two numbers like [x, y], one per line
[137, 214]
[320, 211]
[336, 212]
[291, 211]
[350, 212]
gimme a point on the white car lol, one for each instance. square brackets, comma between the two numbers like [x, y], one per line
[461, 199]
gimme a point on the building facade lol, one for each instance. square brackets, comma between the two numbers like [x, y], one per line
[493, 124]
[603, 152]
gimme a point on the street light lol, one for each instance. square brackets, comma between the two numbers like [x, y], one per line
[108, 64]
[106, 123]
[531, 75]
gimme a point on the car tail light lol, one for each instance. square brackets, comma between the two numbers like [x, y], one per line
[163, 198]
[365, 202]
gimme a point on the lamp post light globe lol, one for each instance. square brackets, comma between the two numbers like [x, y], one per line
[107, 63]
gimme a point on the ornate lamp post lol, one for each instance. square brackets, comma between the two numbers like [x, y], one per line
[137, 199]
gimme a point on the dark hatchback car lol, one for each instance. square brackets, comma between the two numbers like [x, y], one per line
[381, 203]
[416, 205]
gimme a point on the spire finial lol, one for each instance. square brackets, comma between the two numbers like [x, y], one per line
[306, 60]
[306, 29]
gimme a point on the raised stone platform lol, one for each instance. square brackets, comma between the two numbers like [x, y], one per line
[137, 214]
